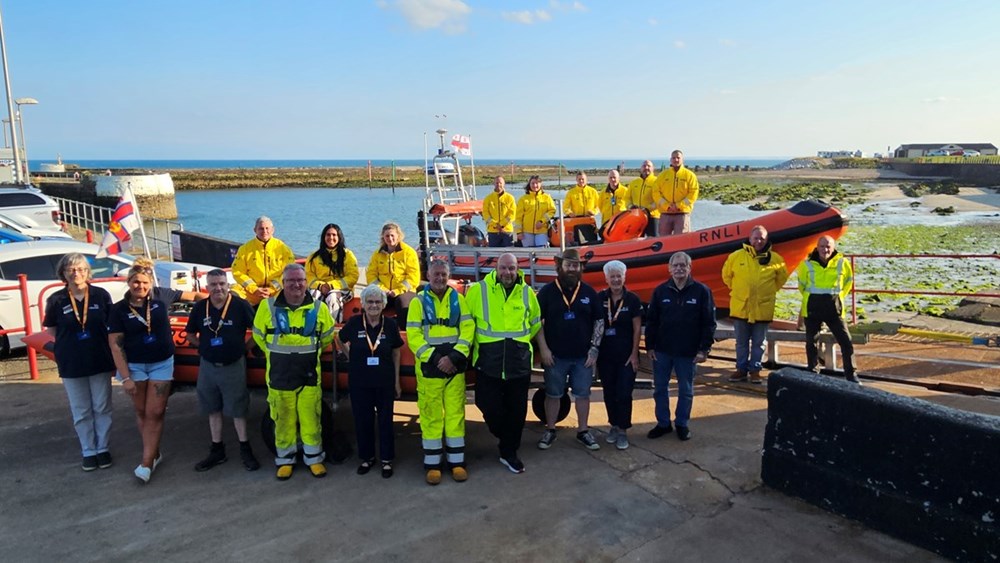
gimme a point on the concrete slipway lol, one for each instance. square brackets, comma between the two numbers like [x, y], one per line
[659, 500]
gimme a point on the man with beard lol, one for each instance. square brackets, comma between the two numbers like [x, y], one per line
[258, 265]
[505, 310]
[680, 330]
[217, 327]
[825, 280]
[754, 274]
[675, 191]
[498, 213]
[293, 329]
[439, 331]
[572, 328]
[640, 194]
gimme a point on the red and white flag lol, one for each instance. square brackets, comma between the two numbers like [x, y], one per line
[462, 144]
[124, 221]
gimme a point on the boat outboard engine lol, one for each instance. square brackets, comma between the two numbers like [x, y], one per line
[471, 235]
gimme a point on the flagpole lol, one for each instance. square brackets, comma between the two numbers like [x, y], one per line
[142, 228]
[472, 159]
[427, 178]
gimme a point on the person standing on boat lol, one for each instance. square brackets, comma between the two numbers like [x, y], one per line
[372, 344]
[825, 280]
[581, 199]
[572, 329]
[142, 345]
[332, 270]
[534, 211]
[498, 213]
[618, 358]
[258, 263]
[395, 268]
[613, 198]
[680, 331]
[293, 329]
[76, 318]
[640, 194]
[439, 331]
[754, 274]
[675, 191]
[218, 327]
[507, 316]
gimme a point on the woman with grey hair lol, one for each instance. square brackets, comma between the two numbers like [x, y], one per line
[618, 359]
[372, 343]
[76, 317]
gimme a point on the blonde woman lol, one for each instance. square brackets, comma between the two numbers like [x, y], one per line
[531, 219]
[394, 267]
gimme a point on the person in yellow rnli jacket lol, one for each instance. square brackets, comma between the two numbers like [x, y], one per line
[507, 316]
[825, 280]
[531, 218]
[674, 192]
[332, 270]
[258, 263]
[612, 198]
[640, 194]
[439, 331]
[293, 329]
[395, 268]
[581, 199]
[754, 274]
[498, 213]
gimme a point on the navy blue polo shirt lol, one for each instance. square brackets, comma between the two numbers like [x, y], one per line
[359, 372]
[616, 344]
[146, 345]
[221, 340]
[81, 350]
[568, 330]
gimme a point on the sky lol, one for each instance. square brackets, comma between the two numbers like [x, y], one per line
[347, 79]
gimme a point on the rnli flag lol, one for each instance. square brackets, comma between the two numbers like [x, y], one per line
[462, 144]
[124, 221]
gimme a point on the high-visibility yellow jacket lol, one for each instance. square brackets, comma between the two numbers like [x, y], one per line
[833, 281]
[317, 273]
[581, 201]
[534, 207]
[260, 265]
[612, 203]
[640, 194]
[292, 340]
[397, 271]
[753, 280]
[675, 187]
[432, 321]
[505, 325]
[498, 212]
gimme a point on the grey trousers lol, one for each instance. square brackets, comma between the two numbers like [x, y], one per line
[90, 403]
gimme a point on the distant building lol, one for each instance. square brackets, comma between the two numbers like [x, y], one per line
[918, 150]
[840, 154]
[6, 165]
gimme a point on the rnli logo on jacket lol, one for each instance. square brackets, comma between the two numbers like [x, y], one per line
[585, 300]
[692, 301]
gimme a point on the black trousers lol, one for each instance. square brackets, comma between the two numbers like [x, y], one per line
[504, 404]
[839, 330]
[366, 404]
[617, 381]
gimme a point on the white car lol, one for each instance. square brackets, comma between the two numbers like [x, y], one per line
[10, 223]
[29, 207]
[938, 152]
[38, 260]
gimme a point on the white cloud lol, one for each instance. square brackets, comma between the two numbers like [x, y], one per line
[679, 44]
[556, 5]
[527, 17]
[653, 22]
[579, 6]
[447, 15]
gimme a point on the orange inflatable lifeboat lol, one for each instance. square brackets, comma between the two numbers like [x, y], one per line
[577, 230]
[627, 225]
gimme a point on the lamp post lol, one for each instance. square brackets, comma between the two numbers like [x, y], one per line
[20, 124]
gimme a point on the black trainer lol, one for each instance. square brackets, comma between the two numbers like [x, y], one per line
[89, 462]
[513, 463]
[216, 455]
[250, 462]
[104, 460]
[658, 431]
[683, 433]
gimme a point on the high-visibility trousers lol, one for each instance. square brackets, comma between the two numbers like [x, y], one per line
[442, 419]
[296, 414]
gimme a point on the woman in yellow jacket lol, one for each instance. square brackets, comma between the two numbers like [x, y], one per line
[332, 270]
[531, 219]
[395, 268]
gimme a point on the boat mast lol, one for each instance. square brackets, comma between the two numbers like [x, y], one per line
[18, 178]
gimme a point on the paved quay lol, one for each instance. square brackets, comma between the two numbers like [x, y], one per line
[659, 500]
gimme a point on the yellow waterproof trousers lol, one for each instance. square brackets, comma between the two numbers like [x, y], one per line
[297, 414]
[442, 419]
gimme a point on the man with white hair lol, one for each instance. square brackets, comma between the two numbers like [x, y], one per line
[258, 265]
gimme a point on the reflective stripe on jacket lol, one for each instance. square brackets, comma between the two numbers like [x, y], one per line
[292, 341]
[505, 325]
[424, 334]
[835, 280]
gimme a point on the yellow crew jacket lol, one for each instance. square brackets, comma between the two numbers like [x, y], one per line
[534, 207]
[675, 187]
[753, 279]
[397, 271]
[612, 202]
[640, 194]
[317, 273]
[431, 321]
[292, 340]
[833, 281]
[581, 201]
[258, 264]
[500, 318]
[498, 212]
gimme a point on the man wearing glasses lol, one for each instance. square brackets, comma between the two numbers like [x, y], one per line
[680, 329]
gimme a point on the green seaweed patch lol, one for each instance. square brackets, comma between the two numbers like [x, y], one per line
[943, 210]
[771, 195]
[920, 189]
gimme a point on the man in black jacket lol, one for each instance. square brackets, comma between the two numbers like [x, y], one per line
[680, 330]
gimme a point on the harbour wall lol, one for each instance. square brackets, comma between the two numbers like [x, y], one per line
[919, 471]
[973, 173]
[153, 192]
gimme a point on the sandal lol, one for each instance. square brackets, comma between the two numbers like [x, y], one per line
[386, 469]
[365, 466]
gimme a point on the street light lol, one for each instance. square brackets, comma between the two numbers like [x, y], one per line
[20, 123]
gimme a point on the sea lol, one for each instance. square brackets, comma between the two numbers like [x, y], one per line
[571, 164]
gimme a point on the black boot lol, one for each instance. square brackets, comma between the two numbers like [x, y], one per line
[246, 454]
[216, 456]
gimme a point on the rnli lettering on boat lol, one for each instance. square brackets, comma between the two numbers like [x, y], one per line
[724, 232]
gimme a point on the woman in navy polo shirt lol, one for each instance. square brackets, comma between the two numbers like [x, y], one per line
[76, 317]
[143, 348]
[618, 360]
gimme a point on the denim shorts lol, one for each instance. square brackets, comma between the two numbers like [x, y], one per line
[156, 371]
[573, 370]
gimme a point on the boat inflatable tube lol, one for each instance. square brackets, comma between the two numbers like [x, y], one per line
[627, 225]
[577, 230]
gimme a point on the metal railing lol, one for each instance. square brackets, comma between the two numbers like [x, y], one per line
[95, 218]
[22, 289]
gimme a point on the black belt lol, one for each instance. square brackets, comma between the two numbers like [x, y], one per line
[222, 364]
